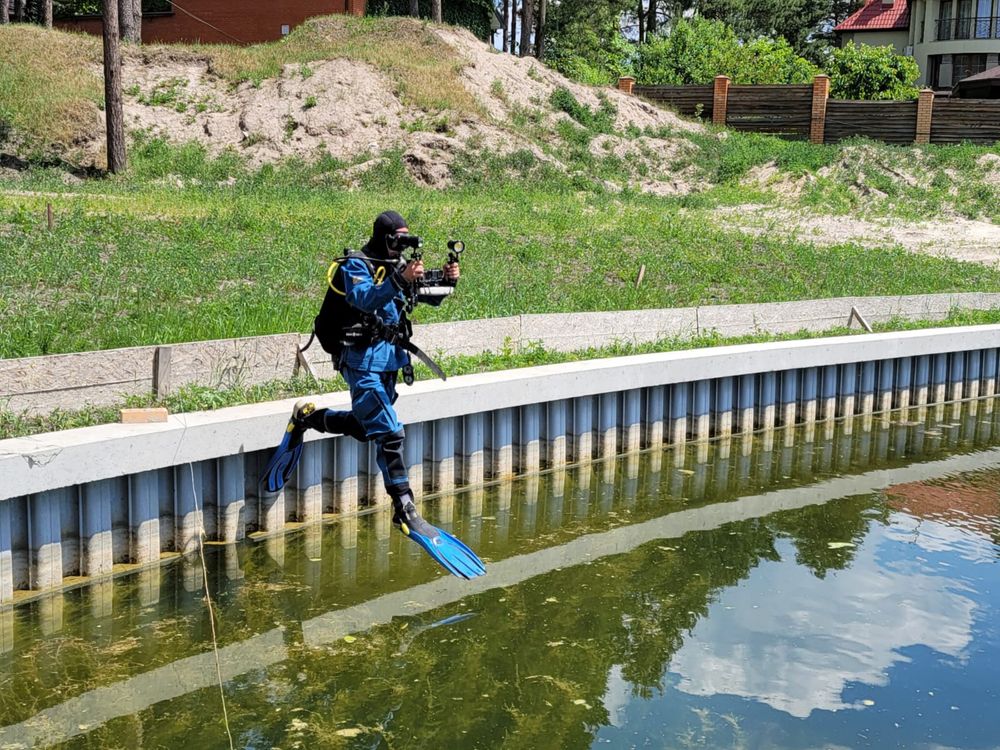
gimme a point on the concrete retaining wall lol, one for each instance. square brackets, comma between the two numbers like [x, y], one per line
[140, 490]
[104, 378]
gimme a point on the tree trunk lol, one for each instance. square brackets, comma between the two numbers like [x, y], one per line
[137, 14]
[540, 33]
[527, 23]
[514, 15]
[505, 44]
[113, 90]
[126, 21]
[415, 8]
[47, 13]
[19, 10]
[651, 21]
[641, 15]
[4, 12]
[436, 11]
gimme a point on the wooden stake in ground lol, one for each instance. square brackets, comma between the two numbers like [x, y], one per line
[113, 90]
[436, 11]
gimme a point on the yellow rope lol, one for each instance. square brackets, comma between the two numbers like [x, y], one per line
[208, 600]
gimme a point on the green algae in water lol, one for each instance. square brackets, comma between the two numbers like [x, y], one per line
[827, 589]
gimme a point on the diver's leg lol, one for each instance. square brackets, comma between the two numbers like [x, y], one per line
[336, 422]
[340, 422]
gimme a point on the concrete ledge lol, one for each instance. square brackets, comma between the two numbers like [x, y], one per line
[823, 314]
[69, 381]
[60, 459]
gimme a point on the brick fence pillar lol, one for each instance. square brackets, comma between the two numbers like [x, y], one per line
[356, 7]
[720, 100]
[817, 125]
[925, 110]
[625, 83]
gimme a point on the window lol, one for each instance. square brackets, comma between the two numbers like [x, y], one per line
[934, 71]
[944, 22]
[984, 21]
[964, 66]
[965, 21]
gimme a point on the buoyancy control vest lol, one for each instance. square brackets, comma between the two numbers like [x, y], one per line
[340, 324]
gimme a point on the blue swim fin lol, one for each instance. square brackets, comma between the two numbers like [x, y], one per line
[286, 456]
[447, 550]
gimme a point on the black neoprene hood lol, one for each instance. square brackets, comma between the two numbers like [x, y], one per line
[387, 222]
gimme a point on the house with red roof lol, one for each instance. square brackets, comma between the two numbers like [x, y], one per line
[949, 39]
[227, 21]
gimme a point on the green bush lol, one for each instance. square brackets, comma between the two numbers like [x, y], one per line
[601, 120]
[697, 50]
[866, 72]
[588, 60]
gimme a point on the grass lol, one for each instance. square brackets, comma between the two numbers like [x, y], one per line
[55, 103]
[157, 264]
[201, 398]
[425, 70]
[600, 120]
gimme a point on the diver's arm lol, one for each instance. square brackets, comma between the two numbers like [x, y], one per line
[361, 290]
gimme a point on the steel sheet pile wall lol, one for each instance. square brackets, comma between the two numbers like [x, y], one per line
[138, 492]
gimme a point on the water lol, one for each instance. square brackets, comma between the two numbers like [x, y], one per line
[803, 590]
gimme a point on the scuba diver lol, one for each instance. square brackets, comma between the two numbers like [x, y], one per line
[363, 324]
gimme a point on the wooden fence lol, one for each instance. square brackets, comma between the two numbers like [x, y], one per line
[806, 112]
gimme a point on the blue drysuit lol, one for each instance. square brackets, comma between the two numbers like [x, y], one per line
[371, 372]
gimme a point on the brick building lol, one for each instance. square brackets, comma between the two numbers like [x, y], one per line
[226, 20]
[950, 39]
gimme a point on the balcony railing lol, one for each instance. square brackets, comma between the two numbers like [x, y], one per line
[969, 27]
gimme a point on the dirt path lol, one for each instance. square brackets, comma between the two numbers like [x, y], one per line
[958, 238]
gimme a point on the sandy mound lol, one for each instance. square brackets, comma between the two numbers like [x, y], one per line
[769, 177]
[857, 166]
[340, 108]
[990, 164]
[958, 238]
[526, 83]
[348, 110]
